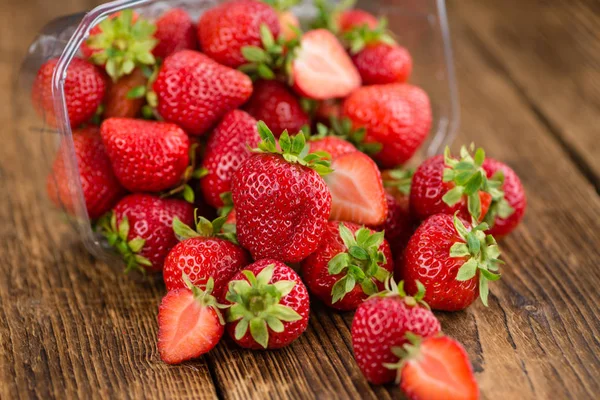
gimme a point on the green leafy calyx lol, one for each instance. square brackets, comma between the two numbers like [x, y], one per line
[328, 14]
[359, 264]
[282, 5]
[293, 149]
[256, 305]
[203, 228]
[123, 44]
[362, 36]
[408, 351]
[397, 290]
[344, 129]
[205, 297]
[192, 171]
[400, 179]
[480, 252]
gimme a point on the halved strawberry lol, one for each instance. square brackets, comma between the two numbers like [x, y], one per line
[357, 191]
[322, 69]
[189, 323]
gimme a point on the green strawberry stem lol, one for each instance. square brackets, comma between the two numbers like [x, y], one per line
[392, 289]
[205, 297]
[328, 13]
[480, 252]
[256, 305]
[293, 149]
[344, 129]
[359, 37]
[191, 172]
[401, 179]
[361, 263]
[203, 228]
[407, 352]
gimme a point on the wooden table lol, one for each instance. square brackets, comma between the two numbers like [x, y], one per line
[529, 77]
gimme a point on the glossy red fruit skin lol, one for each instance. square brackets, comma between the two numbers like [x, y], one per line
[396, 115]
[356, 18]
[381, 63]
[428, 189]
[100, 187]
[226, 28]
[175, 31]
[297, 299]
[514, 193]
[427, 259]
[201, 258]
[85, 87]
[333, 145]
[116, 102]
[146, 156]
[151, 218]
[398, 225]
[229, 145]
[381, 323]
[315, 268]
[274, 104]
[281, 208]
[195, 92]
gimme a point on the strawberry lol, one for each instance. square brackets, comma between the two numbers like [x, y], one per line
[146, 156]
[350, 264]
[352, 19]
[226, 28]
[273, 103]
[381, 324]
[397, 116]
[140, 229]
[101, 189]
[436, 368]
[203, 253]
[282, 203]
[333, 145]
[322, 69]
[189, 323]
[356, 190]
[227, 148]
[119, 101]
[175, 31]
[269, 306]
[328, 109]
[289, 25]
[446, 184]
[505, 213]
[121, 43]
[398, 225]
[195, 92]
[452, 262]
[84, 87]
[381, 63]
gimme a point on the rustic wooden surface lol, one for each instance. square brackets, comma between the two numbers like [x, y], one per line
[529, 78]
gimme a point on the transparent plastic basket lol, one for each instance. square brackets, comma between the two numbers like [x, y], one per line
[419, 25]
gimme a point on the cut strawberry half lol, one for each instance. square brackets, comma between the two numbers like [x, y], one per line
[357, 193]
[322, 69]
[436, 368]
[189, 323]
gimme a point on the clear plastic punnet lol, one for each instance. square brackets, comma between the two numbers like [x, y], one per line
[419, 25]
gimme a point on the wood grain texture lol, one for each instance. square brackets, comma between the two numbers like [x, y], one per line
[74, 327]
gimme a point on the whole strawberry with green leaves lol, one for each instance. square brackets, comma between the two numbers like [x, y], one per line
[282, 203]
[351, 263]
[269, 306]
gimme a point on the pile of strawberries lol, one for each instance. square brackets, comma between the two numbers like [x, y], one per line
[254, 164]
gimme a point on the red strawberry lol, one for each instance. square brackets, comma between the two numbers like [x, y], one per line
[147, 156]
[189, 323]
[381, 324]
[289, 25]
[119, 102]
[273, 103]
[121, 43]
[195, 92]
[506, 213]
[322, 69]
[226, 28]
[398, 225]
[140, 229]
[382, 63]
[101, 189]
[175, 31]
[352, 19]
[328, 109]
[398, 116]
[269, 306]
[85, 87]
[332, 145]
[436, 368]
[282, 203]
[227, 148]
[357, 193]
[453, 263]
[350, 264]
[446, 184]
[202, 254]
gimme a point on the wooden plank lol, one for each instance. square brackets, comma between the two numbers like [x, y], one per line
[550, 52]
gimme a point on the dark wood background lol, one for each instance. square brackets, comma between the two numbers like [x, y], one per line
[529, 79]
